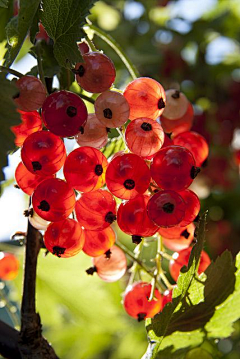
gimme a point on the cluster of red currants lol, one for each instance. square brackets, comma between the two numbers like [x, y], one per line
[150, 179]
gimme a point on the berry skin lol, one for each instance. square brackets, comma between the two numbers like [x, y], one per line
[32, 93]
[112, 109]
[174, 168]
[85, 169]
[64, 238]
[96, 74]
[43, 153]
[96, 210]
[9, 266]
[94, 134]
[53, 200]
[146, 98]
[99, 242]
[83, 47]
[181, 259]
[38, 222]
[193, 207]
[181, 237]
[176, 105]
[132, 218]
[127, 176]
[144, 137]
[31, 122]
[167, 297]
[64, 113]
[166, 208]
[136, 301]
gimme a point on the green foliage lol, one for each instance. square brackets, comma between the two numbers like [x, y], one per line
[49, 62]
[114, 145]
[4, 3]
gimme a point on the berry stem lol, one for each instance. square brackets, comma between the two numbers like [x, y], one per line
[84, 97]
[39, 62]
[11, 71]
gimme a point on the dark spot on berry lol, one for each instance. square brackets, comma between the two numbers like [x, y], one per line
[136, 239]
[185, 234]
[161, 104]
[156, 190]
[108, 129]
[194, 171]
[129, 184]
[98, 170]
[16, 96]
[176, 94]
[71, 111]
[91, 270]
[107, 113]
[110, 217]
[58, 251]
[44, 206]
[80, 71]
[141, 316]
[168, 207]
[81, 130]
[205, 163]
[196, 219]
[108, 254]
[169, 134]
[36, 166]
[146, 126]
[28, 212]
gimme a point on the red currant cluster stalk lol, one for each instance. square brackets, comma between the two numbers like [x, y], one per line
[149, 179]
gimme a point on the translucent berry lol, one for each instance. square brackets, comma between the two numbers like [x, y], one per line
[136, 301]
[31, 122]
[181, 259]
[85, 169]
[53, 200]
[96, 210]
[174, 168]
[64, 238]
[179, 125]
[43, 153]
[64, 113]
[176, 105]
[83, 47]
[112, 109]
[93, 134]
[32, 93]
[99, 242]
[192, 207]
[166, 208]
[42, 34]
[9, 266]
[167, 297]
[146, 98]
[181, 237]
[144, 137]
[38, 222]
[96, 74]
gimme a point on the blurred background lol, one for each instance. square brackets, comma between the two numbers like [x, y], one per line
[193, 45]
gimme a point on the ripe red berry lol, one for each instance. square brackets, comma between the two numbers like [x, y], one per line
[31, 122]
[53, 200]
[179, 125]
[32, 93]
[146, 98]
[167, 297]
[83, 47]
[166, 208]
[174, 168]
[96, 74]
[42, 34]
[9, 266]
[181, 259]
[127, 176]
[37, 222]
[85, 169]
[99, 242]
[144, 137]
[43, 153]
[132, 218]
[64, 113]
[192, 207]
[112, 109]
[64, 238]
[176, 105]
[177, 238]
[136, 301]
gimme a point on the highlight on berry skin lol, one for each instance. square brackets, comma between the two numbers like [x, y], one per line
[30, 122]
[99, 242]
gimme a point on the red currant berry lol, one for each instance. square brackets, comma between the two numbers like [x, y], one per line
[37, 222]
[31, 122]
[85, 169]
[96, 74]
[166, 208]
[9, 266]
[42, 34]
[192, 207]
[146, 98]
[132, 218]
[179, 125]
[99, 242]
[174, 168]
[112, 109]
[64, 238]
[167, 140]
[137, 304]
[32, 93]
[83, 47]
[64, 113]
[167, 297]
[236, 156]
[181, 237]
[144, 137]
[181, 259]
[43, 153]
[53, 200]
[176, 105]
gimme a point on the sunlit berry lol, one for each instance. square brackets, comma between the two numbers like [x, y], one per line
[31, 122]
[166, 297]
[64, 238]
[179, 125]
[176, 105]
[127, 176]
[64, 113]
[9, 266]
[146, 98]
[144, 137]
[137, 304]
[37, 222]
[85, 169]
[32, 93]
[43, 153]
[192, 207]
[112, 109]
[166, 208]
[96, 74]
[177, 238]
[53, 200]
[99, 242]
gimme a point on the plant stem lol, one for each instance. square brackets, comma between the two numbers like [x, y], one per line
[11, 71]
[40, 66]
[84, 97]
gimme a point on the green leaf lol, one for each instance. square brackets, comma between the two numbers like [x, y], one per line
[49, 63]
[4, 3]
[18, 27]
[5, 15]
[114, 145]
[63, 21]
